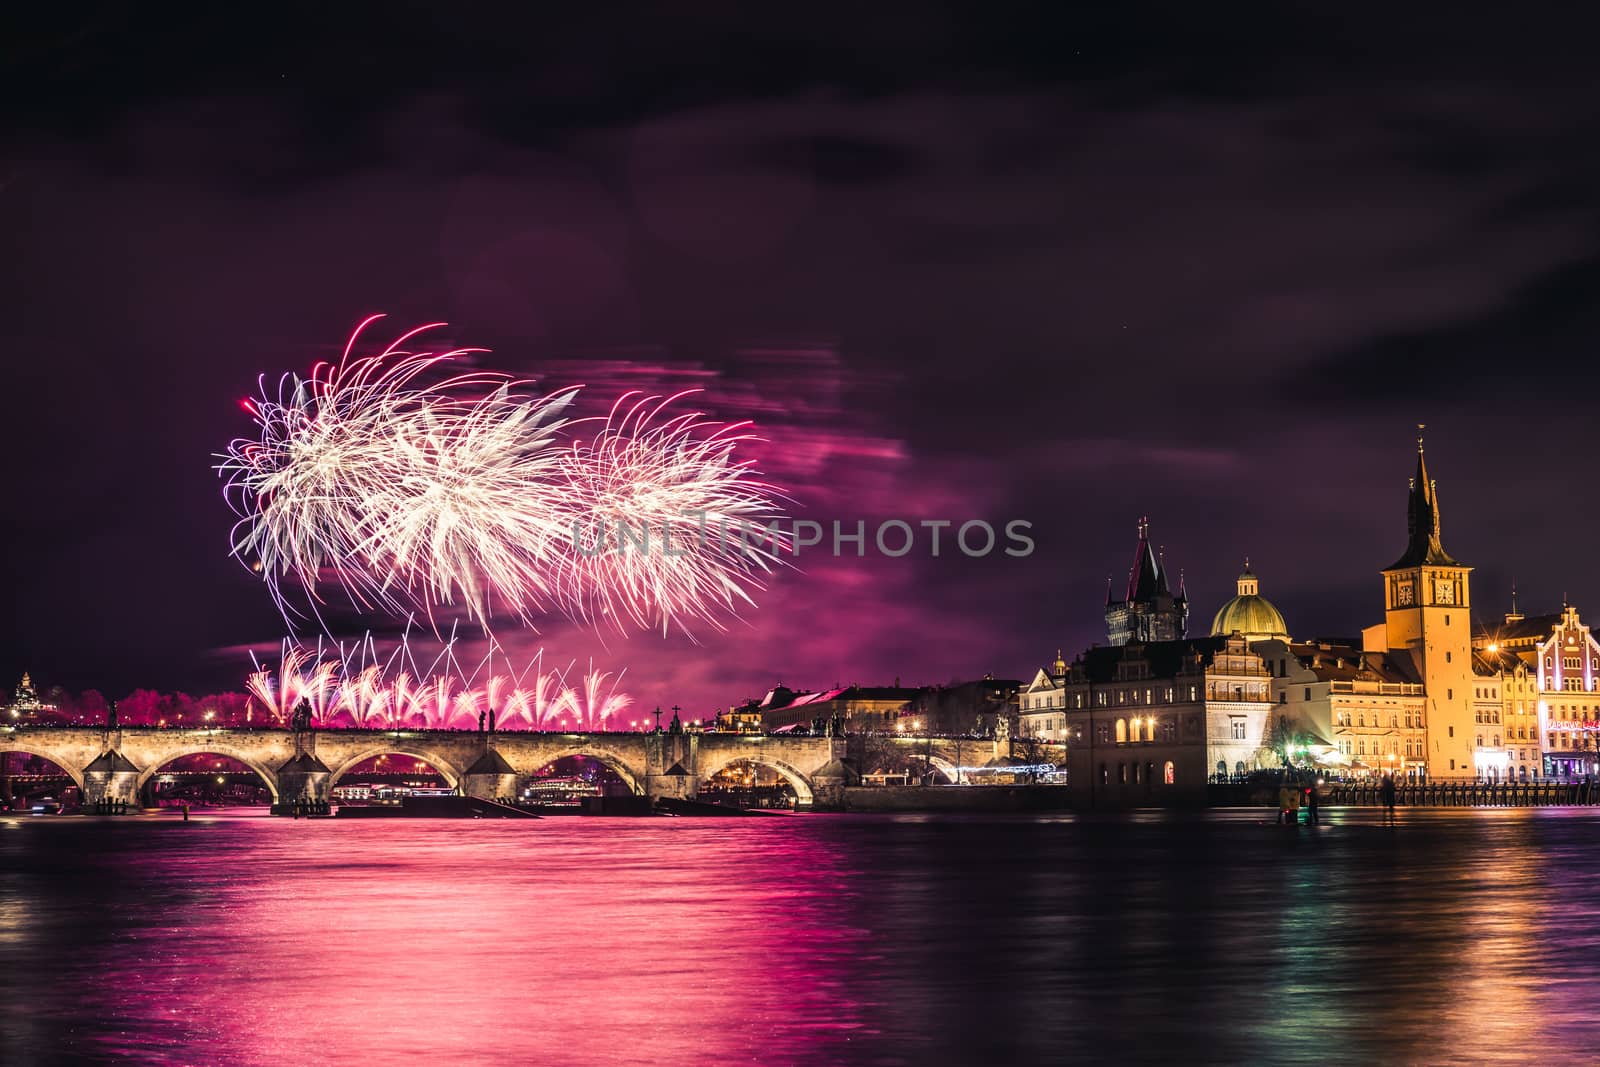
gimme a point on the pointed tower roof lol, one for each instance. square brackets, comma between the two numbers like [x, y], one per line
[1422, 521]
[1145, 580]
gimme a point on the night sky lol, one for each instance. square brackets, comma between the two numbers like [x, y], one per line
[1039, 264]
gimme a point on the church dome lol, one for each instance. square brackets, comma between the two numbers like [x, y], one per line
[1249, 613]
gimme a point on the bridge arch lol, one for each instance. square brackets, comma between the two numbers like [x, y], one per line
[613, 762]
[804, 796]
[946, 768]
[268, 779]
[443, 767]
[72, 771]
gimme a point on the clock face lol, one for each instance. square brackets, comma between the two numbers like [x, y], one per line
[1403, 593]
[1447, 592]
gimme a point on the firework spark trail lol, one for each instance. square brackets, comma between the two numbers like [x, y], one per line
[415, 494]
[667, 523]
[360, 695]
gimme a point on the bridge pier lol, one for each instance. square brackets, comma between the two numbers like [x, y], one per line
[490, 778]
[111, 778]
[672, 785]
[305, 778]
[828, 785]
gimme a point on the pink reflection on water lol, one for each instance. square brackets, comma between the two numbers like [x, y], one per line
[654, 941]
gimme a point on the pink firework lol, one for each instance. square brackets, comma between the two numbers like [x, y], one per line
[440, 699]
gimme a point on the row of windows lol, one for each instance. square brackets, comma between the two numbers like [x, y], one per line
[1135, 774]
[1140, 730]
[1342, 718]
[1413, 748]
[1131, 696]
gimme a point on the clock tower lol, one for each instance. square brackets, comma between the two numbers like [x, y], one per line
[1428, 621]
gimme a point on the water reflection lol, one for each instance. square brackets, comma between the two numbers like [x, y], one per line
[1460, 936]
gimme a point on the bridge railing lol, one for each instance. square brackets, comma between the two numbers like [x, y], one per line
[1546, 792]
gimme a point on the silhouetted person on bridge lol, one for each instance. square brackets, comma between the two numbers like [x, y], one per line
[1311, 803]
[1386, 794]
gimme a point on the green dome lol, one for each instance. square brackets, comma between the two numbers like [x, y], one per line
[1249, 613]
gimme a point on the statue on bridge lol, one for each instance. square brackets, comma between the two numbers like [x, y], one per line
[111, 715]
[300, 722]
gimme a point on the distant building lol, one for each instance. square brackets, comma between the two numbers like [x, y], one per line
[1041, 703]
[857, 708]
[966, 707]
[25, 703]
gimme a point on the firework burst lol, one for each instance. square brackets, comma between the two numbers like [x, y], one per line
[667, 523]
[351, 692]
[414, 490]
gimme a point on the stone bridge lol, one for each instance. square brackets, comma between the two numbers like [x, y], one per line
[115, 764]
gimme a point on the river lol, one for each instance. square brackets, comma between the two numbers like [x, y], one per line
[1460, 936]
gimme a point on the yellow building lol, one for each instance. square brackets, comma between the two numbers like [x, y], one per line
[1356, 712]
[1427, 630]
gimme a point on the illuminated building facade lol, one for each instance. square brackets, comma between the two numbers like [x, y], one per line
[1041, 704]
[1150, 722]
[1355, 712]
[1548, 669]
